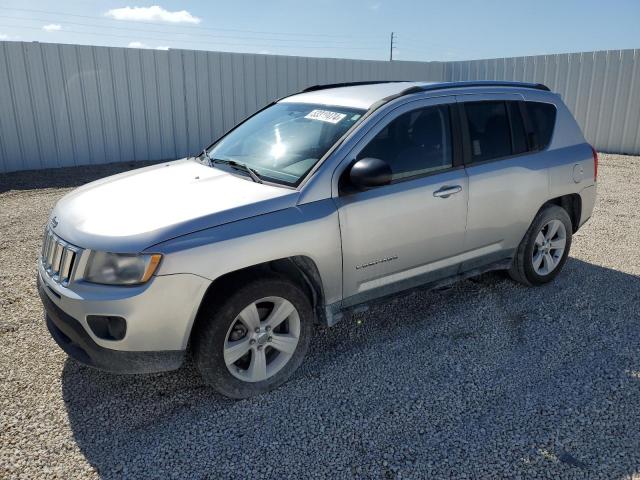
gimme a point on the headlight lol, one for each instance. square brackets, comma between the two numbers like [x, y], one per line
[120, 269]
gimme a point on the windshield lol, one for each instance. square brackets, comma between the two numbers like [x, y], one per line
[283, 142]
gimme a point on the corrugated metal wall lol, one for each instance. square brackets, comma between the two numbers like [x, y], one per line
[602, 89]
[65, 105]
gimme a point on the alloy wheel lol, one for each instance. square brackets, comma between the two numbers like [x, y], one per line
[262, 339]
[549, 247]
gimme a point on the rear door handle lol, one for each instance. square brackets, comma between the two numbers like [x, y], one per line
[446, 192]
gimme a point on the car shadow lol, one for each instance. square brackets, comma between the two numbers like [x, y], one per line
[71, 177]
[529, 380]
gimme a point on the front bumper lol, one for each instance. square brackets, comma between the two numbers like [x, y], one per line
[71, 336]
[159, 314]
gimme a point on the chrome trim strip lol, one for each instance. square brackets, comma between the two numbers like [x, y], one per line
[58, 258]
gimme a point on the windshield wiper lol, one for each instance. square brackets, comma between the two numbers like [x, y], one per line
[238, 166]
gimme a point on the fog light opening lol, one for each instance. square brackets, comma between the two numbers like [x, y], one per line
[107, 327]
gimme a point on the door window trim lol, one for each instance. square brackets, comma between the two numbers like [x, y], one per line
[510, 111]
[528, 126]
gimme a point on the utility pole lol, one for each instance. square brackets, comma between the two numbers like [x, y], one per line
[391, 46]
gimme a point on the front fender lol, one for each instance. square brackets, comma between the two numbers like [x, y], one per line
[310, 230]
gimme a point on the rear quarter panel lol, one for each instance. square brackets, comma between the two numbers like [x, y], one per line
[570, 158]
[570, 170]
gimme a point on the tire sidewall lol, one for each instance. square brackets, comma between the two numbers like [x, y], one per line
[209, 344]
[548, 214]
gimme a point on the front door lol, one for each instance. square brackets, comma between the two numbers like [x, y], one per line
[411, 231]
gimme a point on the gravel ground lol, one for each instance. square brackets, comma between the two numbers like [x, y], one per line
[484, 379]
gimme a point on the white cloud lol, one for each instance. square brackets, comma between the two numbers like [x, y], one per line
[52, 27]
[154, 13]
[4, 36]
[138, 45]
[376, 6]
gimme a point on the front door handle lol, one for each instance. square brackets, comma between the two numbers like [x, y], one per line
[446, 192]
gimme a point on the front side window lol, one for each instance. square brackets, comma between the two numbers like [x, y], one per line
[283, 142]
[415, 143]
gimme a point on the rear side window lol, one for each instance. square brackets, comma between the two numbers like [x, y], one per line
[489, 130]
[504, 128]
[542, 117]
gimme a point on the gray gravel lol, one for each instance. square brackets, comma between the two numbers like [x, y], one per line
[485, 379]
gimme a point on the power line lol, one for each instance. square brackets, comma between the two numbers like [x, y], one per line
[420, 44]
[328, 43]
[261, 45]
[304, 34]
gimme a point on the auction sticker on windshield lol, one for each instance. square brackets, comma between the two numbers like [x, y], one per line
[325, 116]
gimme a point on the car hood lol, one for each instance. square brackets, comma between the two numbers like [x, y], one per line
[134, 210]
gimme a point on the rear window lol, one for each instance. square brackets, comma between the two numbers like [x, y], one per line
[543, 118]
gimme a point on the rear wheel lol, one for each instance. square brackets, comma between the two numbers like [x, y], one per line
[253, 341]
[544, 248]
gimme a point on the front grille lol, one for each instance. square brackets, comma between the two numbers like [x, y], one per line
[58, 257]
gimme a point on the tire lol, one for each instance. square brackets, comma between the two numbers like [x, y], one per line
[223, 333]
[527, 267]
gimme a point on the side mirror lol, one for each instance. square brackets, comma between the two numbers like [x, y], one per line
[370, 172]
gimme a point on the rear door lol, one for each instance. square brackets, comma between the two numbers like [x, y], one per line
[409, 232]
[507, 181]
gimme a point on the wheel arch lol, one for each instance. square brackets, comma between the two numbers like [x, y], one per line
[571, 203]
[299, 269]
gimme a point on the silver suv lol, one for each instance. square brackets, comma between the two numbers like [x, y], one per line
[318, 204]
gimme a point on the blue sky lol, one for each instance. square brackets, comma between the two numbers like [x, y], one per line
[426, 30]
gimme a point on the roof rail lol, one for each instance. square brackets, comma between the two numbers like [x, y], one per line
[313, 88]
[475, 83]
[447, 85]
[433, 86]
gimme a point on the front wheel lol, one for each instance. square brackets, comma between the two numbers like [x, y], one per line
[544, 248]
[254, 340]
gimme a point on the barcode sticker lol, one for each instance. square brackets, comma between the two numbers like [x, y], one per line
[325, 116]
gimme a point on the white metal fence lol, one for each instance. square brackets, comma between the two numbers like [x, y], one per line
[65, 105]
[602, 89]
